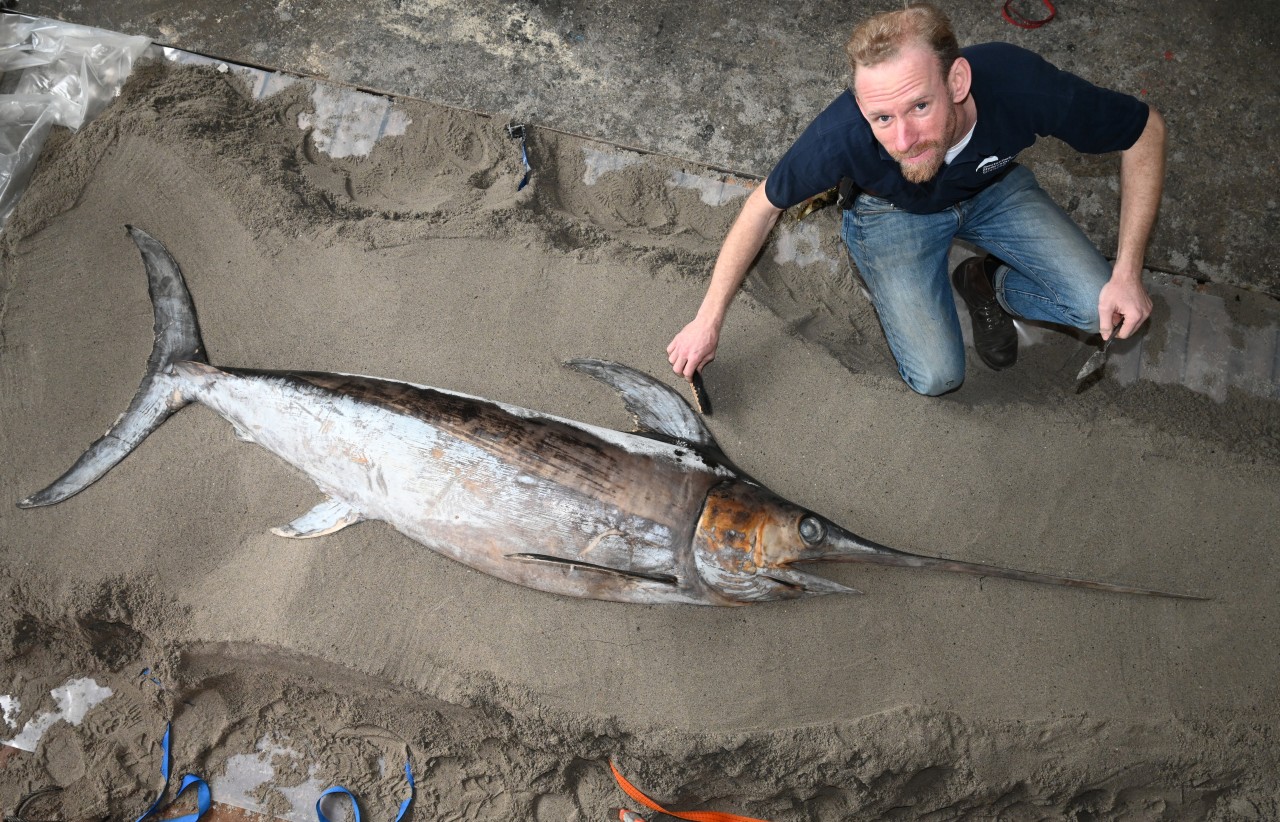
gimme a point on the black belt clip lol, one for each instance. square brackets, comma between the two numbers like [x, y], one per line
[847, 192]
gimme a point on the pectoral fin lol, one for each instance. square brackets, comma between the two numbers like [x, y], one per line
[544, 559]
[328, 517]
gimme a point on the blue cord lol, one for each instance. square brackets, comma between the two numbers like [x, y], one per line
[203, 797]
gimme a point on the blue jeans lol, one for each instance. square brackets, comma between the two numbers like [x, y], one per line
[1051, 272]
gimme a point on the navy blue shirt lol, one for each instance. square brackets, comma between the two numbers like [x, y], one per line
[1019, 96]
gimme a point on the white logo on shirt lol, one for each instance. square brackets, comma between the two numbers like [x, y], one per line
[992, 159]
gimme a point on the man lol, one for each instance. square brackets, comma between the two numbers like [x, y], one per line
[928, 134]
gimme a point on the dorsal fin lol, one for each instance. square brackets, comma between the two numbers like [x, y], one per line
[656, 406]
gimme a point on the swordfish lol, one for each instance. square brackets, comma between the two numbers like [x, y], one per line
[656, 516]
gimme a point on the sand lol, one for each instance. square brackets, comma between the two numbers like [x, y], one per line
[931, 696]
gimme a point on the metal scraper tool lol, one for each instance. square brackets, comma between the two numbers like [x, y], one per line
[1098, 358]
[700, 396]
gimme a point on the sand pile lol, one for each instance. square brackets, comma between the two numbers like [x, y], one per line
[328, 661]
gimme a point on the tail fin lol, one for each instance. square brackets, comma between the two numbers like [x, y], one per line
[177, 339]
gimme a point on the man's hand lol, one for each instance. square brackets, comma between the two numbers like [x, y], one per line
[693, 347]
[1123, 300]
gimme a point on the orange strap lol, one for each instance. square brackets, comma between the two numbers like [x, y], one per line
[692, 816]
[1017, 18]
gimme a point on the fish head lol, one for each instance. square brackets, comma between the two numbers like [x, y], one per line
[748, 540]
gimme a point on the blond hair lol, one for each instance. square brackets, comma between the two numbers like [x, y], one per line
[883, 36]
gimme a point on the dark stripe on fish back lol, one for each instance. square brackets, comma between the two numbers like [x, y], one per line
[548, 448]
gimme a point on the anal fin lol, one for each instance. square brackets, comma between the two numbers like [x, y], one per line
[326, 518]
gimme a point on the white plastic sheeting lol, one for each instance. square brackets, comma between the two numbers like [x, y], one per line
[74, 699]
[66, 75]
[345, 123]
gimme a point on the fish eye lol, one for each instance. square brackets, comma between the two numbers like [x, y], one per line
[812, 531]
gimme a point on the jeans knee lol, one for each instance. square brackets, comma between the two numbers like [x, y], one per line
[1089, 324]
[933, 384]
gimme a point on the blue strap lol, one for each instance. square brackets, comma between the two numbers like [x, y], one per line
[404, 806]
[164, 772]
[524, 158]
[519, 131]
[203, 798]
[337, 789]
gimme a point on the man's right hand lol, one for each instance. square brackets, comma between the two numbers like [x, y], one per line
[693, 347]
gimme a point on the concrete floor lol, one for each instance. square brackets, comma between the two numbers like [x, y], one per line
[730, 85]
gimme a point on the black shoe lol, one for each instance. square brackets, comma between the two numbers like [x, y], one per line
[993, 333]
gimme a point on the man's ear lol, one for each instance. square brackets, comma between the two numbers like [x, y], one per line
[958, 79]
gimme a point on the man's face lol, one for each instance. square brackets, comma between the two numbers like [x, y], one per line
[911, 109]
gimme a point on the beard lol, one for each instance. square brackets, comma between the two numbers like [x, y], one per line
[924, 169]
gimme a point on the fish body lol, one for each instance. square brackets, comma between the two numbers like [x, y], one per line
[494, 486]
[655, 516]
